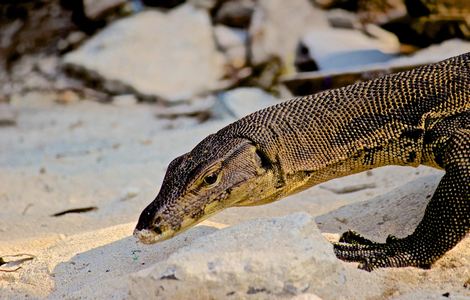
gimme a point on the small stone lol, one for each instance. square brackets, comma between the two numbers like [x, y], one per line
[72, 41]
[76, 37]
[235, 13]
[204, 4]
[96, 9]
[325, 4]
[232, 42]
[67, 97]
[48, 65]
[124, 100]
[7, 115]
[129, 193]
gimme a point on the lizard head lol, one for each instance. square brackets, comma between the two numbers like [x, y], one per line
[216, 174]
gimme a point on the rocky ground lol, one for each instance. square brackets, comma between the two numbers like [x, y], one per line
[92, 113]
[81, 155]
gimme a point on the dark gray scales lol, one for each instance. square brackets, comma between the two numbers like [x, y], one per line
[421, 116]
[426, 110]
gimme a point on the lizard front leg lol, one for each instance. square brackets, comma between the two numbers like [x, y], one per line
[446, 220]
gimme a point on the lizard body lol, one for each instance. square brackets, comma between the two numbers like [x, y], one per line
[416, 117]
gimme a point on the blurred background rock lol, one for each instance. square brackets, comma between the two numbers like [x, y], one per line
[177, 52]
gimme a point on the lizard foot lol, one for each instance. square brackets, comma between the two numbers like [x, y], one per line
[394, 252]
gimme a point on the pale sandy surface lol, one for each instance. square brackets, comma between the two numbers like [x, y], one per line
[83, 154]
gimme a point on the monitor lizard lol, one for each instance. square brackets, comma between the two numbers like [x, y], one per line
[421, 116]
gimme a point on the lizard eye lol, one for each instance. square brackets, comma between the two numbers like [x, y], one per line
[210, 179]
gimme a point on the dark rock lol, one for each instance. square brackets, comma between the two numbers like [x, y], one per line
[235, 13]
[163, 3]
[30, 27]
[96, 10]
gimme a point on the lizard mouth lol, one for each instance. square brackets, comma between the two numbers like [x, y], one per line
[147, 236]
[163, 231]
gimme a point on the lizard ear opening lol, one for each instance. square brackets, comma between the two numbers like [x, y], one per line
[264, 160]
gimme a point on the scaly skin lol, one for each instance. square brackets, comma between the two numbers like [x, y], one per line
[416, 117]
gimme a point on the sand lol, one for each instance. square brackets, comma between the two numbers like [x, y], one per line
[87, 154]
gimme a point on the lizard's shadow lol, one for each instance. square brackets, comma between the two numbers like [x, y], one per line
[106, 268]
[397, 212]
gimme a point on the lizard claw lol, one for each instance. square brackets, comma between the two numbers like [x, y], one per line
[354, 238]
[394, 252]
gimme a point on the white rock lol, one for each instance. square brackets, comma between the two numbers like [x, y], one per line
[233, 43]
[277, 26]
[243, 101]
[261, 259]
[434, 53]
[171, 56]
[336, 48]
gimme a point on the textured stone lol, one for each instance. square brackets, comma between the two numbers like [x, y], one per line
[170, 56]
[277, 26]
[261, 259]
[347, 48]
